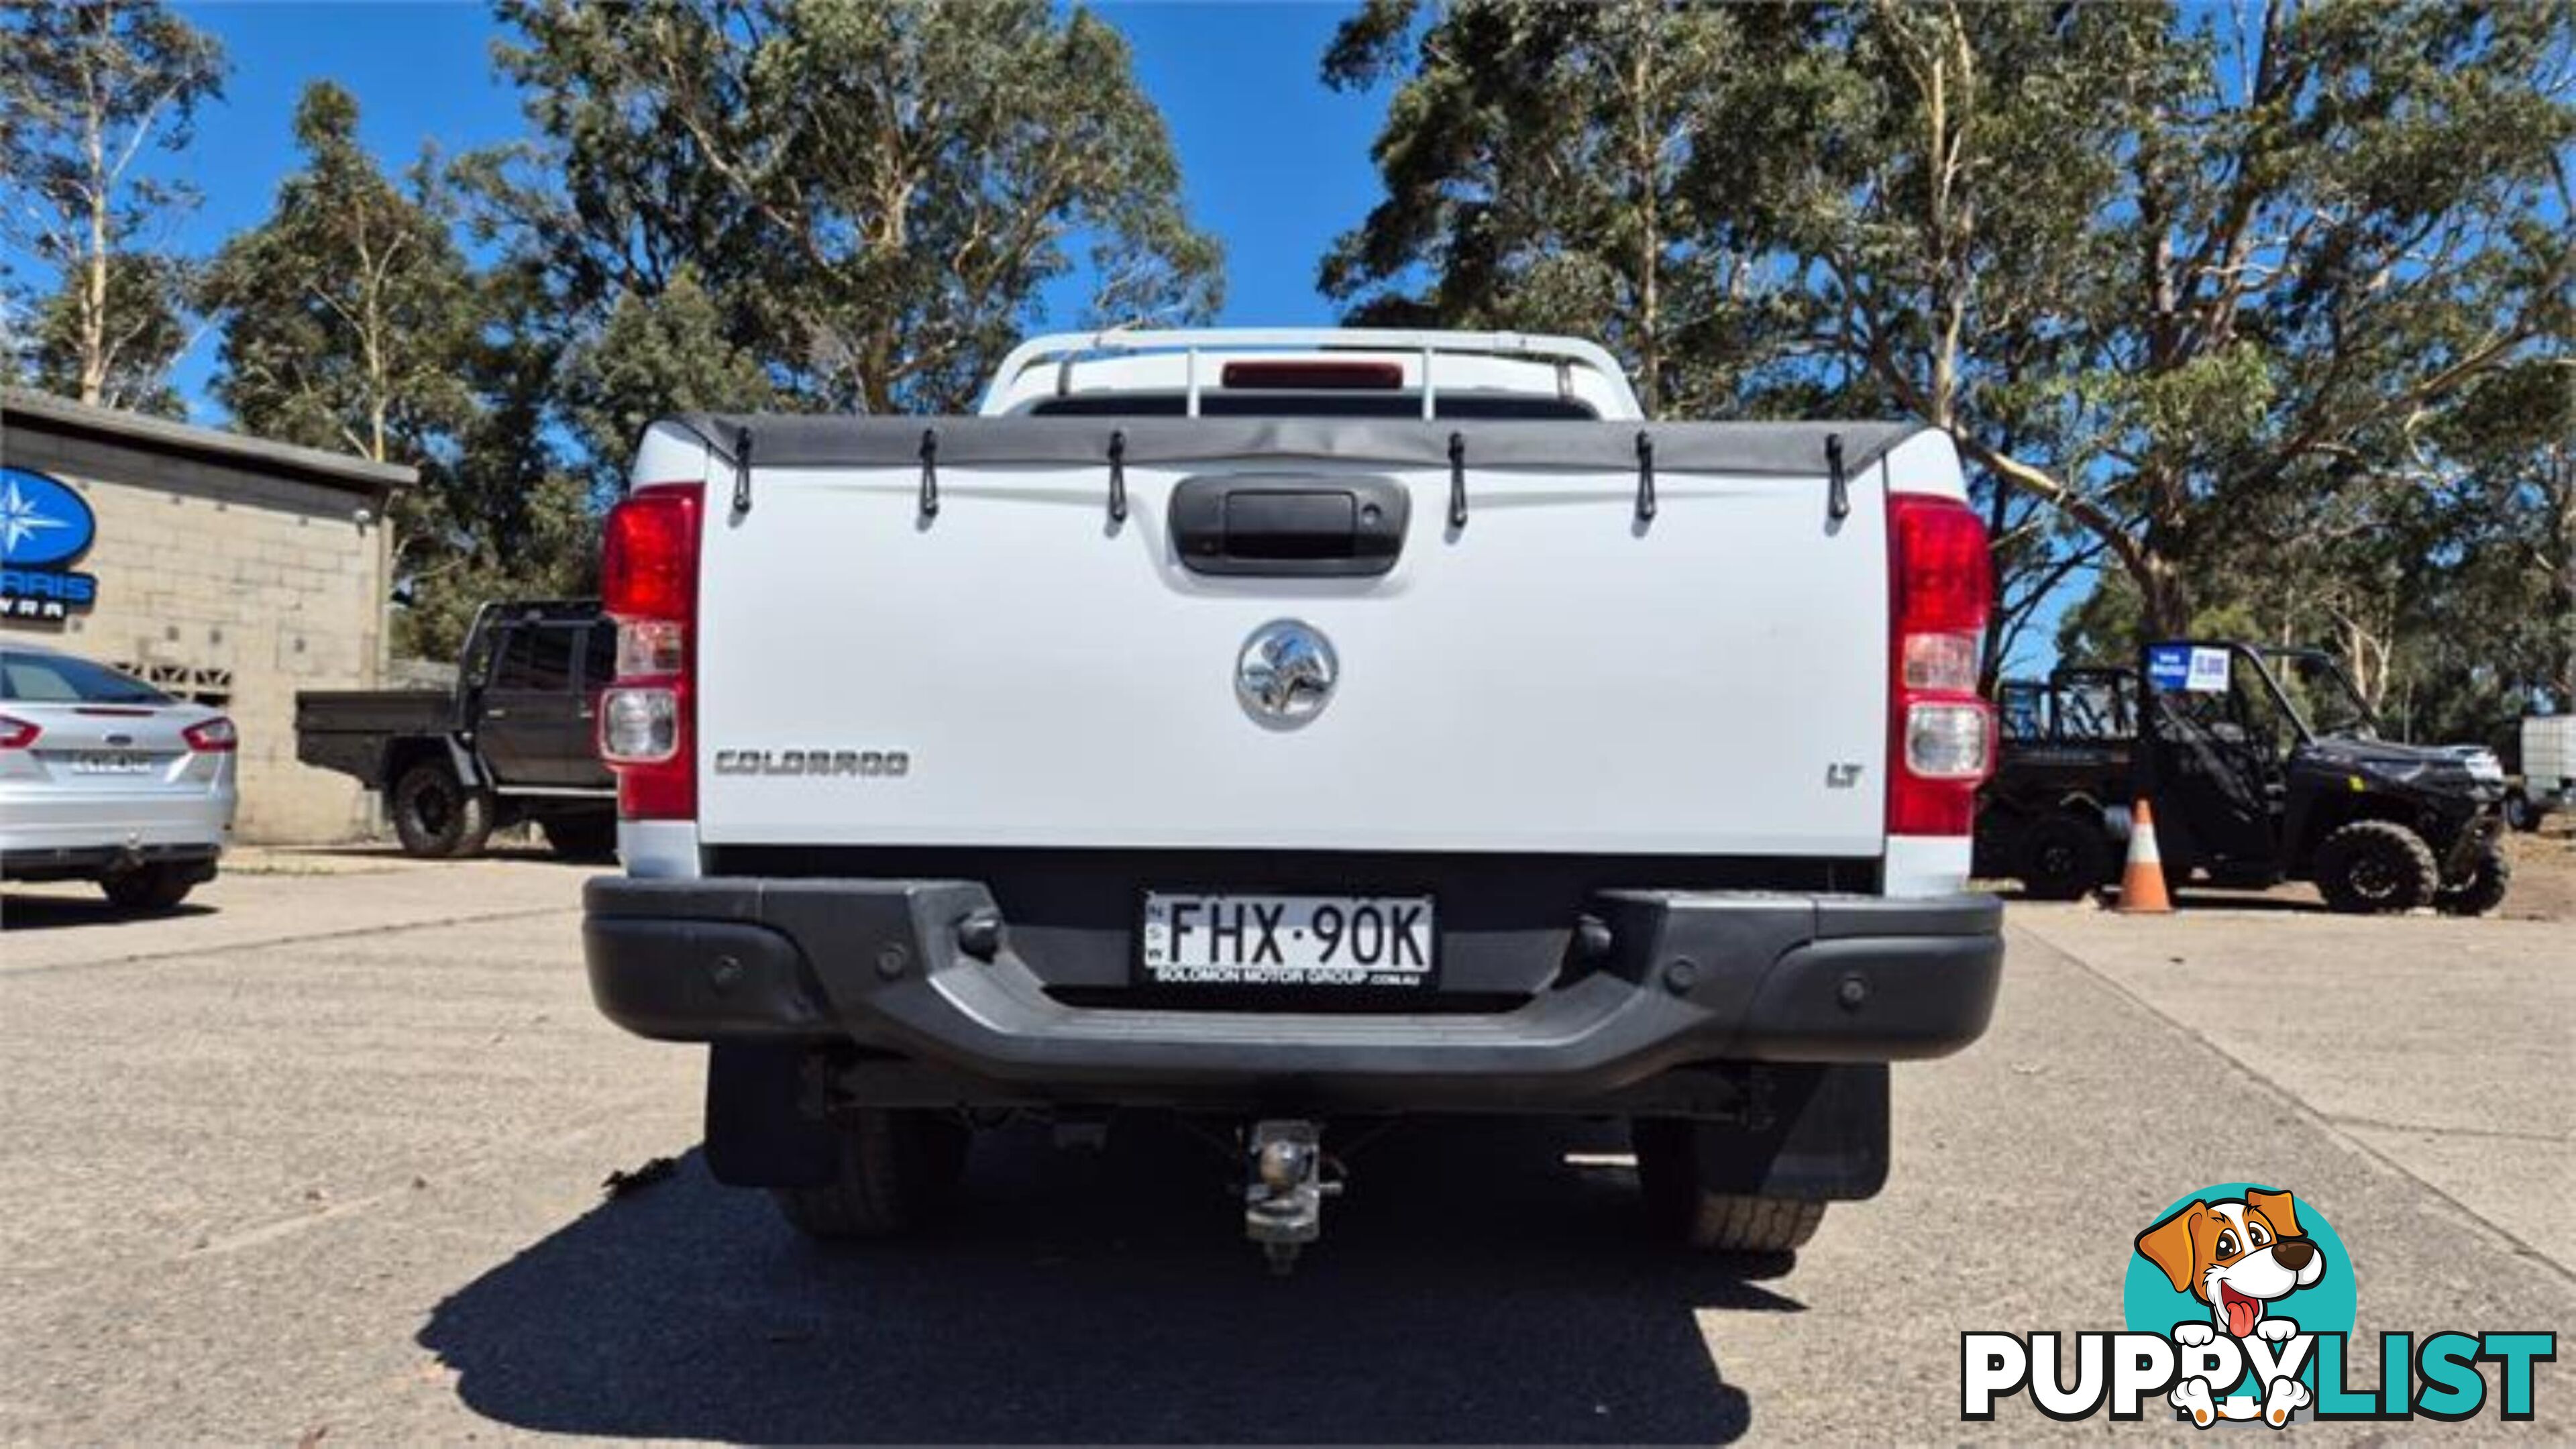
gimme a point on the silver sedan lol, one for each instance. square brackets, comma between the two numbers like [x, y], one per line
[104, 778]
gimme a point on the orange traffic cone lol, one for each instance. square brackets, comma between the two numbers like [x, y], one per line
[2142, 882]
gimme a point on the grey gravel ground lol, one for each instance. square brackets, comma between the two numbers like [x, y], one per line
[327, 1157]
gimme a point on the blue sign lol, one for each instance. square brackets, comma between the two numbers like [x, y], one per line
[44, 528]
[2196, 668]
[42, 523]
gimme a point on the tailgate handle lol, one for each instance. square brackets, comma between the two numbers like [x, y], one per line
[1274, 527]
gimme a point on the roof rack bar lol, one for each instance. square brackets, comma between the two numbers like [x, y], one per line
[1064, 349]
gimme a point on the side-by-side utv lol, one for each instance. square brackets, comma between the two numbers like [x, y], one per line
[2263, 764]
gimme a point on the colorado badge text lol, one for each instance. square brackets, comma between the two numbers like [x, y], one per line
[863, 764]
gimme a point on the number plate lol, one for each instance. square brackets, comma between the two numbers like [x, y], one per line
[1247, 940]
[104, 762]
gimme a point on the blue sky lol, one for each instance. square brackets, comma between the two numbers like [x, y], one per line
[1274, 163]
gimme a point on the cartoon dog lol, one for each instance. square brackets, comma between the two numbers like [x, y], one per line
[2238, 1256]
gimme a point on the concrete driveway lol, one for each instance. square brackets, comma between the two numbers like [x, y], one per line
[327, 1158]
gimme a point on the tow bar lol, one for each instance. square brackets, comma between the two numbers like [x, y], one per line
[1283, 1200]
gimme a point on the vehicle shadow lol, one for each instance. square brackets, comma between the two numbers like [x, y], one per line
[20, 911]
[2220, 898]
[1472, 1285]
[2195, 896]
[389, 853]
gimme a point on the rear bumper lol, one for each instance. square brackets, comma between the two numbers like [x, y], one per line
[38, 862]
[38, 820]
[1689, 976]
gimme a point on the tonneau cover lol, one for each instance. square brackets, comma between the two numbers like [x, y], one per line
[793, 440]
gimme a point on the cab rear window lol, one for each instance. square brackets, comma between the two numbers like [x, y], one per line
[1311, 405]
[62, 679]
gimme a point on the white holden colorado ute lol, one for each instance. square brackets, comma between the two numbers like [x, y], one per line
[1290, 728]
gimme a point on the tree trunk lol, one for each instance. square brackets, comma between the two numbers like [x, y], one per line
[1643, 161]
[1990, 663]
[2164, 600]
[372, 329]
[93, 304]
[1937, 241]
[2562, 466]
[2365, 658]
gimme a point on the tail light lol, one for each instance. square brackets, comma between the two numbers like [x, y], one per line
[212, 736]
[1941, 735]
[648, 582]
[16, 733]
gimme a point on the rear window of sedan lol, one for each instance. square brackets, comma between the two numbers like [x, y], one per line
[62, 679]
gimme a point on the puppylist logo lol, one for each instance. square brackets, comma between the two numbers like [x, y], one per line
[2239, 1300]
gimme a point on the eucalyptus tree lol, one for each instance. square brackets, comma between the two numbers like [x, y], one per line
[2153, 266]
[871, 198]
[1535, 159]
[353, 320]
[89, 90]
[345, 313]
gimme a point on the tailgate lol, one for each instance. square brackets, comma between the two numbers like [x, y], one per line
[1556, 676]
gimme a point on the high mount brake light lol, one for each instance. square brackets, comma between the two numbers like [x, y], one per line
[1336, 376]
[648, 575]
[1940, 733]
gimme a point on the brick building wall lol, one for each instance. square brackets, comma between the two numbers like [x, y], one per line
[229, 570]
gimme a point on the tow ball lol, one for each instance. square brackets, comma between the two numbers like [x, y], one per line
[1283, 1200]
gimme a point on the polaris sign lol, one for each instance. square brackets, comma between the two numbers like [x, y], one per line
[45, 527]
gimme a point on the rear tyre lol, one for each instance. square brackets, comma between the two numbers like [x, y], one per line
[2518, 813]
[2064, 857]
[2376, 867]
[583, 837]
[1685, 1213]
[2484, 890]
[437, 815]
[149, 887]
[894, 1168]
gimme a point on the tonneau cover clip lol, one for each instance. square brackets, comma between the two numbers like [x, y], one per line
[1118, 475]
[1457, 480]
[1645, 476]
[741, 471]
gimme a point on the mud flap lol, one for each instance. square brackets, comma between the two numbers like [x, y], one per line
[758, 1131]
[1805, 1131]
